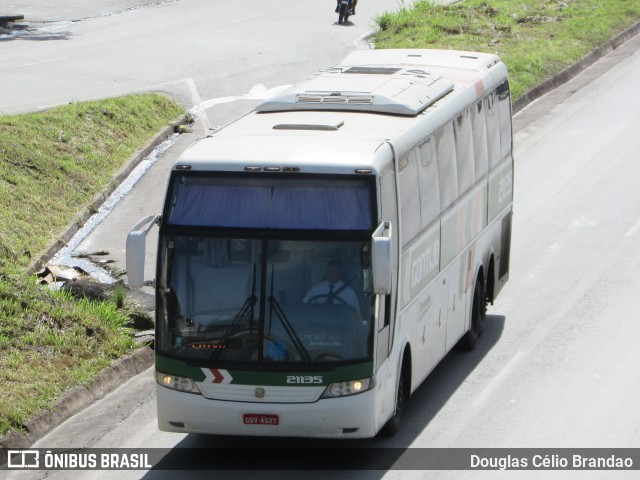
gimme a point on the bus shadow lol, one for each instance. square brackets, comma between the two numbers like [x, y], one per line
[234, 457]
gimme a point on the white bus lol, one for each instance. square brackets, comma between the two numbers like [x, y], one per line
[388, 175]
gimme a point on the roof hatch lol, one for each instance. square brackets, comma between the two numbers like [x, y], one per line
[397, 90]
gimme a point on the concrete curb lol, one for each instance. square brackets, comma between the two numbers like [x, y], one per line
[77, 399]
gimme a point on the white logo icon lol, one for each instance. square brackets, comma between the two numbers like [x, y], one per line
[23, 459]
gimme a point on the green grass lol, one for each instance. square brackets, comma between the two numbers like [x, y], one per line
[535, 38]
[52, 164]
[49, 343]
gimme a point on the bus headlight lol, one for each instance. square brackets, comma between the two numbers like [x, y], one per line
[353, 387]
[175, 382]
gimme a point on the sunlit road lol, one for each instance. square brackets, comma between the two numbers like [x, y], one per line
[558, 363]
[195, 50]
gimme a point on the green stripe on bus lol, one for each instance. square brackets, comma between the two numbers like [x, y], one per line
[179, 368]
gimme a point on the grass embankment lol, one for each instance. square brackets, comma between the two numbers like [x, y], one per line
[535, 38]
[52, 164]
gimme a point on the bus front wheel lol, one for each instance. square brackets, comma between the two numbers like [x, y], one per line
[393, 424]
[478, 314]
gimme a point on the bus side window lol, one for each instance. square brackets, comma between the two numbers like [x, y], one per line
[464, 151]
[447, 169]
[504, 116]
[428, 179]
[493, 132]
[409, 197]
[478, 127]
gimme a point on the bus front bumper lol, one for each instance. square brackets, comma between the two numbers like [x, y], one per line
[344, 417]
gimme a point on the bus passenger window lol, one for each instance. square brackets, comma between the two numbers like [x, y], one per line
[447, 169]
[480, 154]
[464, 151]
[409, 197]
[504, 117]
[493, 132]
[428, 179]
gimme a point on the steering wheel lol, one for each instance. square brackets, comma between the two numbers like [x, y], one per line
[325, 297]
[328, 357]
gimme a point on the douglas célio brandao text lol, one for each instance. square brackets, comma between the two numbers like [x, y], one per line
[550, 461]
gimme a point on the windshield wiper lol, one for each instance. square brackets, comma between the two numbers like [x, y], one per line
[245, 311]
[274, 306]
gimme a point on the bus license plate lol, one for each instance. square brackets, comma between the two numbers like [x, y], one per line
[260, 419]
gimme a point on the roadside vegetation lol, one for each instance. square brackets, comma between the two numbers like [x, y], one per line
[52, 164]
[535, 38]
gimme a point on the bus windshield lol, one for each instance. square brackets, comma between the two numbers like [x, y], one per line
[262, 301]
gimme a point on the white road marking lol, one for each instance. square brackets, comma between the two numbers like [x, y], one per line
[246, 18]
[42, 62]
[258, 92]
[632, 231]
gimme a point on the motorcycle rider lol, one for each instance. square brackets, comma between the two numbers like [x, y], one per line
[353, 7]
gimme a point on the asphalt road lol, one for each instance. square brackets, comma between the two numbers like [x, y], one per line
[196, 50]
[558, 364]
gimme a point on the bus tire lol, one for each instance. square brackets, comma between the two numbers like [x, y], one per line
[478, 314]
[393, 424]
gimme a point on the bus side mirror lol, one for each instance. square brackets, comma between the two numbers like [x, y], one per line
[381, 259]
[136, 247]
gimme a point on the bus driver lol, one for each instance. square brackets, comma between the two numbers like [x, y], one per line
[333, 290]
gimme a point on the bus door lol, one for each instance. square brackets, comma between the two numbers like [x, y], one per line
[385, 304]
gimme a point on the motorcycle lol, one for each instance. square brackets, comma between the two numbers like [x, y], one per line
[344, 11]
